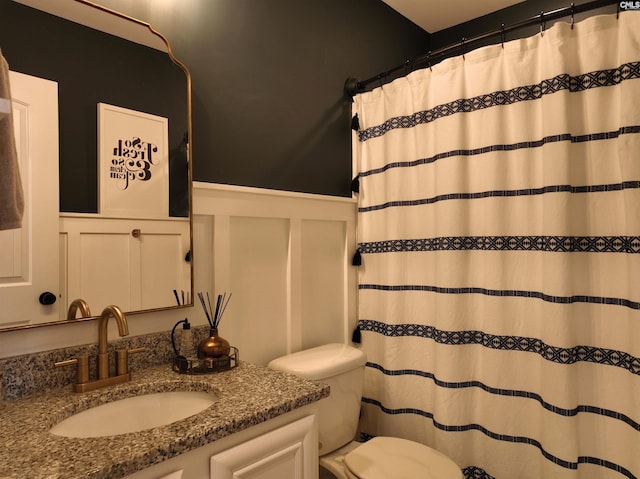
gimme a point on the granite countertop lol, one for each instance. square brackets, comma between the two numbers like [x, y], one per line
[247, 395]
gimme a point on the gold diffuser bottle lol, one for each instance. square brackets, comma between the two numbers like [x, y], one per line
[214, 350]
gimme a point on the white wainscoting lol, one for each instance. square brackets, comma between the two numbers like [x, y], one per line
[285, 257]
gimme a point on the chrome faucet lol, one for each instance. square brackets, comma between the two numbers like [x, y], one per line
[123, 330]
[78, 304]
[83, 383]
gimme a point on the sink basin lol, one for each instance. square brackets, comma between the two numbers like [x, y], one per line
[134, 414]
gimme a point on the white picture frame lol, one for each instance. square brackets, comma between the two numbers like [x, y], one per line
[133, 163]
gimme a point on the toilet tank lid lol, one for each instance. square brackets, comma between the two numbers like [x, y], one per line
[322, 362]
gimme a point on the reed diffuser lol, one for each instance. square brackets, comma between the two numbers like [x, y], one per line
[214, 347]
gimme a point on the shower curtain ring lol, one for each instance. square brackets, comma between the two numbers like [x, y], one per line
[543, 24]
[573, 20]
[502, 35]
[429, 60]
[464, 39]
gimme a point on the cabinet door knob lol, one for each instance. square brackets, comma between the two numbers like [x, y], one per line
[47, 298]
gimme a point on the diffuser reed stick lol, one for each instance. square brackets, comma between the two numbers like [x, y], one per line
[214, 317]
[185, 298]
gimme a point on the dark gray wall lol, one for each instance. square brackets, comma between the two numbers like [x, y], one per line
[268, 107]
[268, 76]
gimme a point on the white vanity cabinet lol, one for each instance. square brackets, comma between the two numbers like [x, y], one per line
[282, 448]
[279, 454]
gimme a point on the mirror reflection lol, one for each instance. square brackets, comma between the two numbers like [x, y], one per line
[122, 120]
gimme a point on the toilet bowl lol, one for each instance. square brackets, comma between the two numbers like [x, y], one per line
[342, 368]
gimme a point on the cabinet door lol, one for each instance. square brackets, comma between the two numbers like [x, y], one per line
[133, 263]
[290, 452]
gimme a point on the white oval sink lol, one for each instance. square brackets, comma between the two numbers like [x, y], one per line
[134, 414]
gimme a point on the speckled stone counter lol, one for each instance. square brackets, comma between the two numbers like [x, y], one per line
[247, 395]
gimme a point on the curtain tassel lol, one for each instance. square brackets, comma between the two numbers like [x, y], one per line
[357, 258]
[355, 123]
[356, 337]
[355, 184]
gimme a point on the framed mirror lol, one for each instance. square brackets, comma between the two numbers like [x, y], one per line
[123, 116]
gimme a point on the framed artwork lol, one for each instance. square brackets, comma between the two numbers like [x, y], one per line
[133, 163]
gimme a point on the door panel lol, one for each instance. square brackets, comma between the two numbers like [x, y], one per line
[29, 255]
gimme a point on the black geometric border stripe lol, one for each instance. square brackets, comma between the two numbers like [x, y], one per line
[562, 82]
[625, 185]
[509, 393]
[606, 135]
[508, 293]
[551, 244]
[572, 355]
[473, 472]
[505, 437]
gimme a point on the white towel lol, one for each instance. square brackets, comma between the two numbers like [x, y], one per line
[11, 196]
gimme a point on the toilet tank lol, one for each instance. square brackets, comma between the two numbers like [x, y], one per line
[342, 368]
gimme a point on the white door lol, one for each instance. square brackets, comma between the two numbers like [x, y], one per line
[29, 262]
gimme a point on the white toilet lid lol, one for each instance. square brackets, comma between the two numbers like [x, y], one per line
[395, 458]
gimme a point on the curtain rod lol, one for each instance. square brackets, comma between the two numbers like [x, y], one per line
[352, 86]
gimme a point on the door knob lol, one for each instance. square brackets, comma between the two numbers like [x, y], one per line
[47, 298]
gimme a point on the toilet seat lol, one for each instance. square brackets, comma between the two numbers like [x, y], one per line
[395, 458]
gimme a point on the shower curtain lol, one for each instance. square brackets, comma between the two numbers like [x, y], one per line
[499, 231]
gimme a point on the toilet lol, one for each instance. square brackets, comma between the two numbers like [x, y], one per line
[342, 368]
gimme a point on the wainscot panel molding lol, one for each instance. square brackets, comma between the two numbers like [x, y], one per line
[286, 259]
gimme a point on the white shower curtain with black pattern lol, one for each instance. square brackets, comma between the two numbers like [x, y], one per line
[499, 228]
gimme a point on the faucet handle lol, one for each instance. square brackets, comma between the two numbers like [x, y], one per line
[82, 371]
[122, 359]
